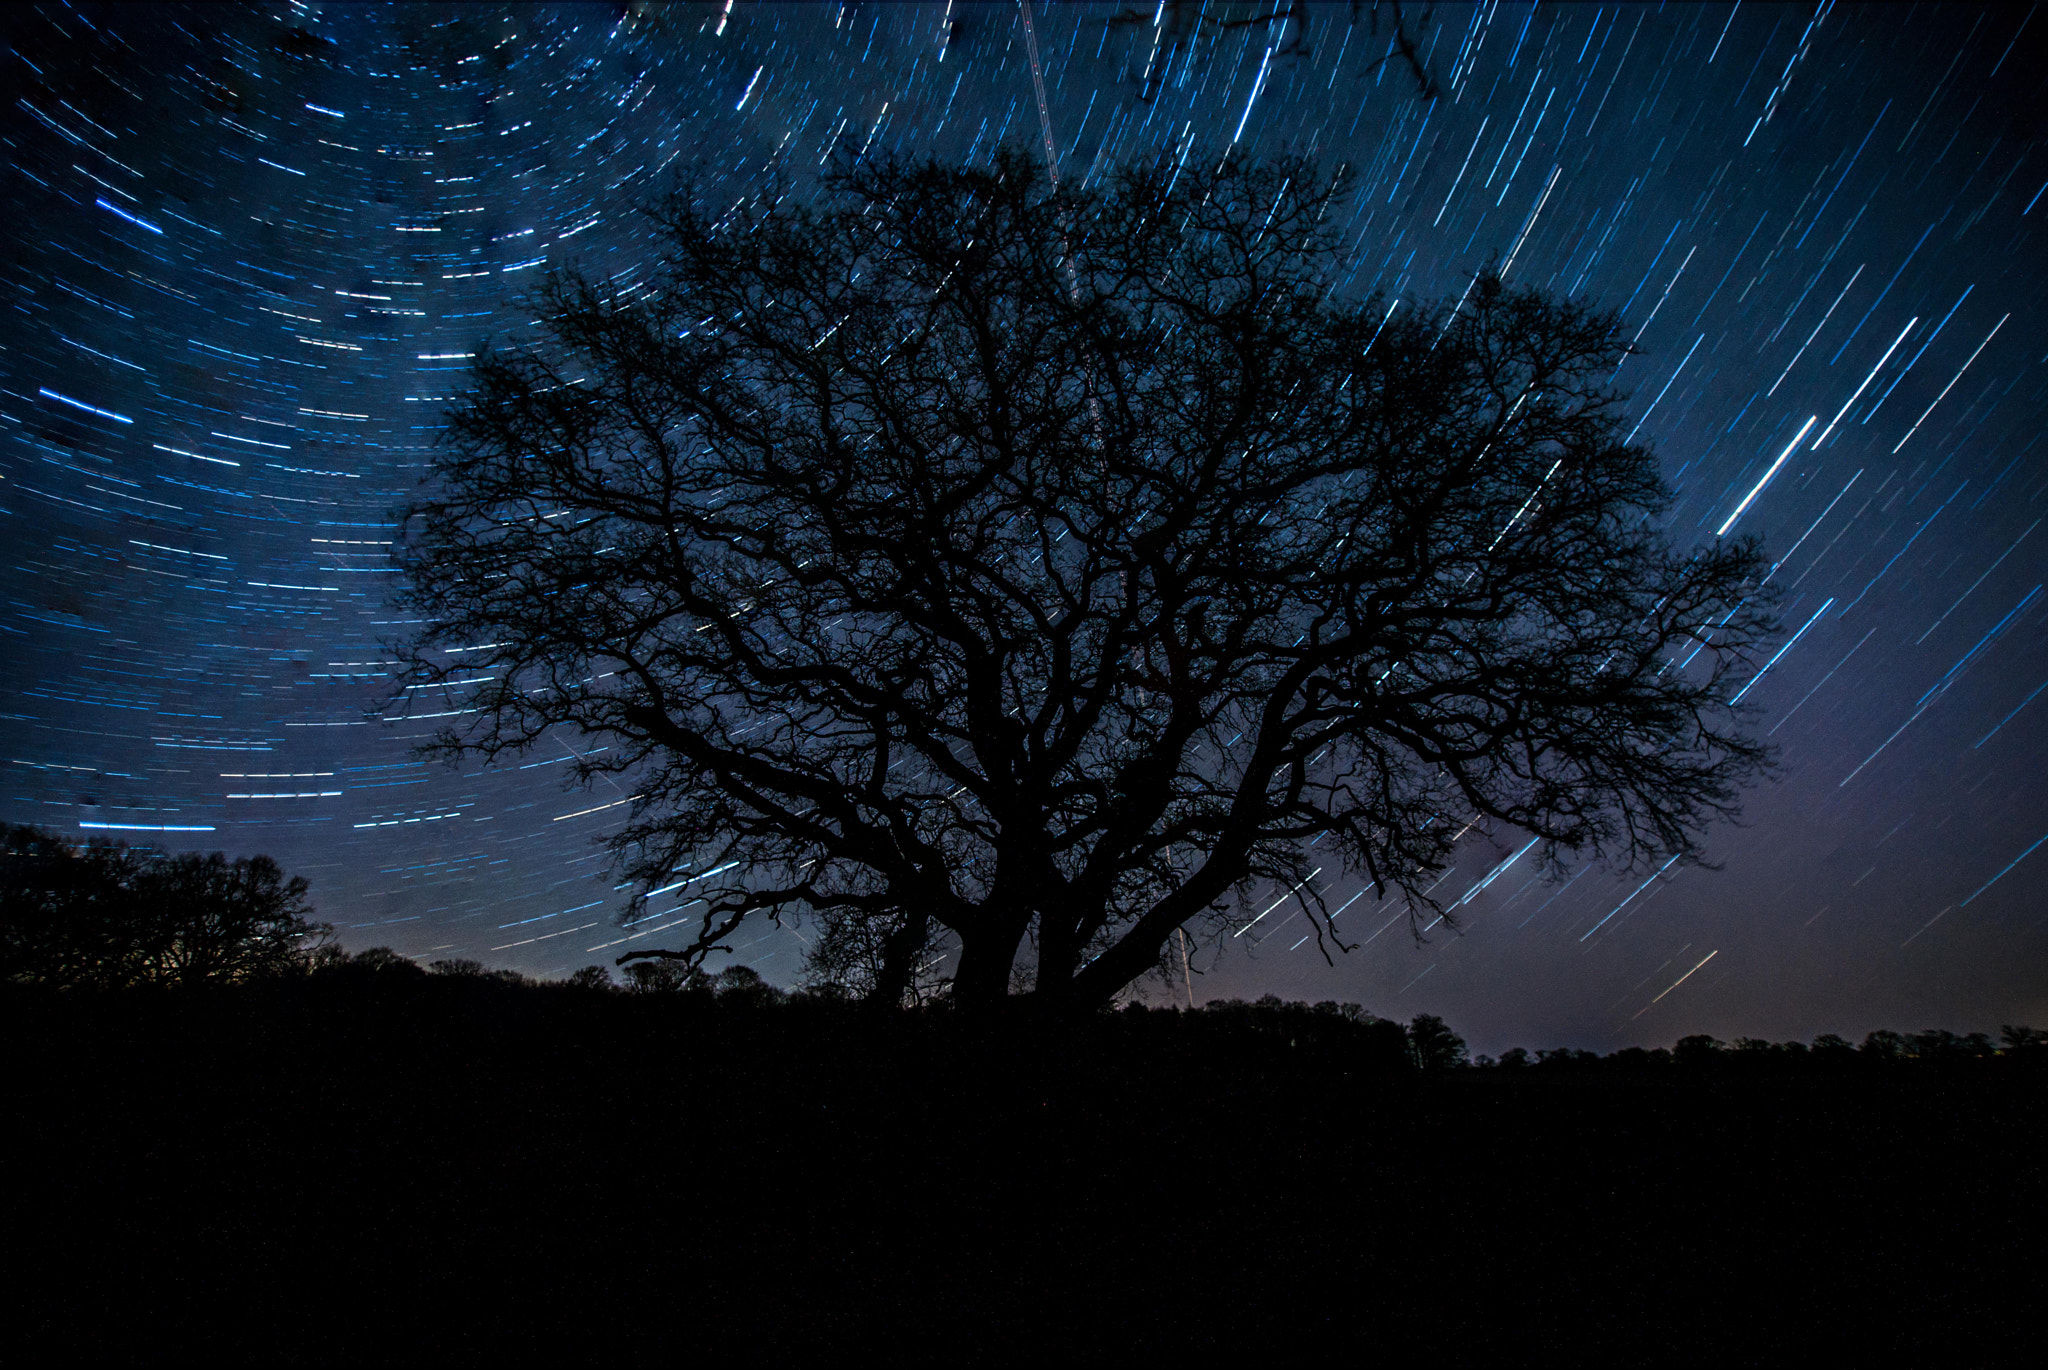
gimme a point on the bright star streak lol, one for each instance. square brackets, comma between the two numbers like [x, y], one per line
[1679, 981]
[1626, 902]
[1722, 531]
[1866, 384]
[1951, 385]
[1780, 652]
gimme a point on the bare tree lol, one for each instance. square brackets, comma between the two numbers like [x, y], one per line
[222, 920]
[105, 915]
[1049, 569]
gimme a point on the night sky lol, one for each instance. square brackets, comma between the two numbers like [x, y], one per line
[251, 250]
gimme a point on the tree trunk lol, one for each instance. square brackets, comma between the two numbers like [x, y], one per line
[982, 982]
[1096, 983]
[899, 961]
[1058, 960]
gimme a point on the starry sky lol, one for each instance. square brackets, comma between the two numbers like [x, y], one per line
[251, 250]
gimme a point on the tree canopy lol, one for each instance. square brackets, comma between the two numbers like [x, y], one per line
[107, 915]
[1017, 574]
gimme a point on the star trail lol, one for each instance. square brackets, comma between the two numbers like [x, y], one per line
[253, 252]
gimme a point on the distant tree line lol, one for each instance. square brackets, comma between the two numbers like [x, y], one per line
[1343, 1031]
[1425, 1043]
[1701, 1051]
[106, 915]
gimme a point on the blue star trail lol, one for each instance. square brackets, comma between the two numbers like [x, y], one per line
[252, 253]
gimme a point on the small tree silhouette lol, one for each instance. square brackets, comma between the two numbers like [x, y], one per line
[1700, 1049]
[105, 915]
[1042, 571]
[1433, 1046]
[1832, 1047]
[666, 977]
[2030, 1042]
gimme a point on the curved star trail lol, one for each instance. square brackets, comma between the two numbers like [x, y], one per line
[252, 253]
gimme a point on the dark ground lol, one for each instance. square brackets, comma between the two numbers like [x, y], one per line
[352, 1172]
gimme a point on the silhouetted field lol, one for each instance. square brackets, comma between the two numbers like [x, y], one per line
[352, 1165]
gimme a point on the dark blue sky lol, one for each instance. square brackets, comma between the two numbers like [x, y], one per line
[252, 248]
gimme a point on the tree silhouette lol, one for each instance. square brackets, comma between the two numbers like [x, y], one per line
[1832, 1047]
[1698, 1050]
[743, 986]
[1433, 1046]
[67, 912]
[1029, 572]
[854, 956]
[666, 977]
[106, 915]
[383, 961]
[2023, 1041]
[216, 919]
